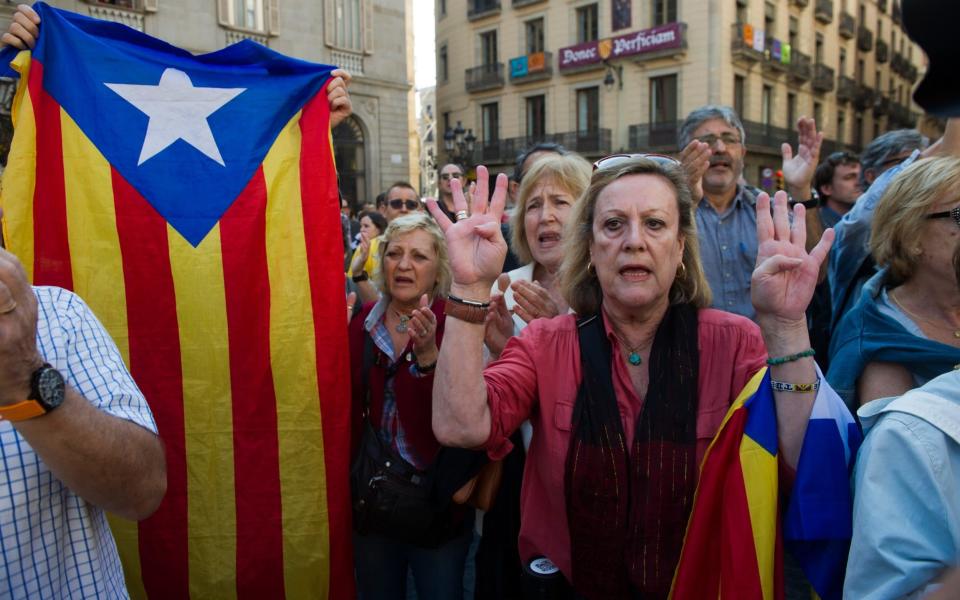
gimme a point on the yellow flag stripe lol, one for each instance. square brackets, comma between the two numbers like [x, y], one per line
[760, 481]
[306, 532]
[207, 414]
[20, 177]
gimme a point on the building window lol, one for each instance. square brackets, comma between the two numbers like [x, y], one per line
[878, 80]
[841, 126]
[588, 110]
[490, 119]
[818, 49]
[441, 8]
[794, 32]
[348, 30]
[769, 18]
[858, 130]
[443, 64]
[663, 99]
[843, 61]
[446, 120]
[861, 67]
[536, 117]
[488, 47]
[587, 24]
[534, 31]
[664, 11]
[350, 155]
[739, 93]
[766, 105]
[243, 14]
[792, 110]
[818, 112]
[741, 11]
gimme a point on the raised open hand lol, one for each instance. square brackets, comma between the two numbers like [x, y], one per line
[786, 275]
[798, 169]
[474, 243]
[695, 159]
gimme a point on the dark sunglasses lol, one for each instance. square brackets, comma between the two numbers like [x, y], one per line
[616, 160]
[947, 214]
[842, 157]
[397, 204]
[446, 176]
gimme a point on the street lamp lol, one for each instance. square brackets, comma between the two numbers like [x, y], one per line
[459, 144]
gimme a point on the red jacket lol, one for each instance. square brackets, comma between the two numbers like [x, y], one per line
[414, 395]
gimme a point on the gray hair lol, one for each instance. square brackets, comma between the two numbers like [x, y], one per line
[707, 113]
[889, 144]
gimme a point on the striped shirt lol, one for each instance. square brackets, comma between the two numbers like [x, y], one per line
[54, 544]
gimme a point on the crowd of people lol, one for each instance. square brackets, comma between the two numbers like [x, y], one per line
[540, 362]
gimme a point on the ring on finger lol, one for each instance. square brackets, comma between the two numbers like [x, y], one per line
[9, 308]
[461, 215]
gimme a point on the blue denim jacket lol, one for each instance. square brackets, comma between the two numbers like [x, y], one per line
[906, 509]
[851, 248]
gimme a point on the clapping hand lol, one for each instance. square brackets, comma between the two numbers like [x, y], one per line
[499, 323]
[423, 332]
[533, 301]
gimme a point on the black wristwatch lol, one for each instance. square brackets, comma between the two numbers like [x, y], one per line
[813, 202]
[47, 390]
[361, 276]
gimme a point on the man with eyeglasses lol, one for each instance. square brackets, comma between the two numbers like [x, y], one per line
[448, 173]
[713, 142]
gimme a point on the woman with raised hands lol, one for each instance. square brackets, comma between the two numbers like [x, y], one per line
[643, 366]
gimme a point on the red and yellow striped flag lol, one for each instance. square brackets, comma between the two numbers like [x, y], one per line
[232, 325]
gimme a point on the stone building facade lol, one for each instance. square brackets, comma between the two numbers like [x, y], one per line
[370, 38]
[602, 76]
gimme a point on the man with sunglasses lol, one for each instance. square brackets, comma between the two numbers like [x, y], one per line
[402, 199]
[713, 142]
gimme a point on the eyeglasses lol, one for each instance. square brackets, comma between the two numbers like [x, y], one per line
[615, 160]
[728, 139]
[397, 204]
[947, 214]
[446, 176]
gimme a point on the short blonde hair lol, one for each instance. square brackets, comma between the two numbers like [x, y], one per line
[406, 224]
[568, 171]
[579, 283]
[902, 211]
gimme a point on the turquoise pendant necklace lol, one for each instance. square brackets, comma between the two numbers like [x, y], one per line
[633, 353]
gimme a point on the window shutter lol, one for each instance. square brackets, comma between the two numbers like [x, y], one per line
[150, 5]
[366, 6]
[273, 17]
[223, 12]
[329, 22]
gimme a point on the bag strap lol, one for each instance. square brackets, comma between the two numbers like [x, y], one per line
[368, 358]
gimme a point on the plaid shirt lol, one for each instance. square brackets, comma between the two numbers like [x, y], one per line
[54, 544]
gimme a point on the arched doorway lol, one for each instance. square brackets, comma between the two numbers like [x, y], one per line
[350, 154]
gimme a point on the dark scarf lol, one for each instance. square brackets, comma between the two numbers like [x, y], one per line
[628, 511]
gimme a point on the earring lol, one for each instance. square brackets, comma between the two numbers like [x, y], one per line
[590, 270]
[682, 271]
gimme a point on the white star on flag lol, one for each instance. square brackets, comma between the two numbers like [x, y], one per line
[177, 111]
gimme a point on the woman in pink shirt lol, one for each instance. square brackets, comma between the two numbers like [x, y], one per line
[624, 397]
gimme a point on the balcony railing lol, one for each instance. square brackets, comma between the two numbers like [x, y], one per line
[846, 89]
[532, 67]
[864, 39]
[883, 51]
[522, 3]
[881, 105]
[658, 137]
[478, 9]
[801, 3]
[911, 73]
[801, 67]
[847, 27]
[898, 64]
[742, 47]
[865, 97]
[764, 136]
[882, 5]
[589, 143]
[773, 57]
[823, 11]
[823, 78]
[484, 77]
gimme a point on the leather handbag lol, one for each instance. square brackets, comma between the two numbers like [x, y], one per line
[481, 490]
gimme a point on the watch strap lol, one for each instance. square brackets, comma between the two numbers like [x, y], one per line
[21, 411]
[471, 312]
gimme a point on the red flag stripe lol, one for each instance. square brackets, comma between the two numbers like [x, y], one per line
[256, 448]
[51, 243]
[321, 217]
[155, 365]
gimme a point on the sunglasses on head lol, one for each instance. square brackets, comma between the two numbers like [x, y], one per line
[947, 214]
[617, 160]
[398, 203]
[446, 176]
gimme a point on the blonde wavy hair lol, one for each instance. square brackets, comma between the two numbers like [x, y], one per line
[406, 224]
[580, 286]
[902, 211]
[570, 172]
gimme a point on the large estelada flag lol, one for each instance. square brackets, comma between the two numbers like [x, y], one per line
[744, 516]
[192, 202]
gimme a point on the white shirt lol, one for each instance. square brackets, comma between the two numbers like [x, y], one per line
[54, 544]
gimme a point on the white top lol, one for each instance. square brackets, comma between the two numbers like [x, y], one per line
[54, 544]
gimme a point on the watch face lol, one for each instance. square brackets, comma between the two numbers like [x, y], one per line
[50, 388]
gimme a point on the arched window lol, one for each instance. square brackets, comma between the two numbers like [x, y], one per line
[350, 153]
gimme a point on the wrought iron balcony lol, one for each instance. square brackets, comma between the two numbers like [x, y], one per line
[847, 27]
[478, 9]
[898, 63]
[742, 48]
[882, 5]
[883, 51]
[773, 57]
[846, 89]
[766, 137]
[823, 78]
[801, 67]
[659, 137]
[589, 143]
[823, 11]
[864, 39]
[484, 77]
[881, 105]
[864, 98]
[911, 73]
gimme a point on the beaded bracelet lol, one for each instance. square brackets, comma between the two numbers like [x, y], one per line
[790, 358]
[783, 386]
